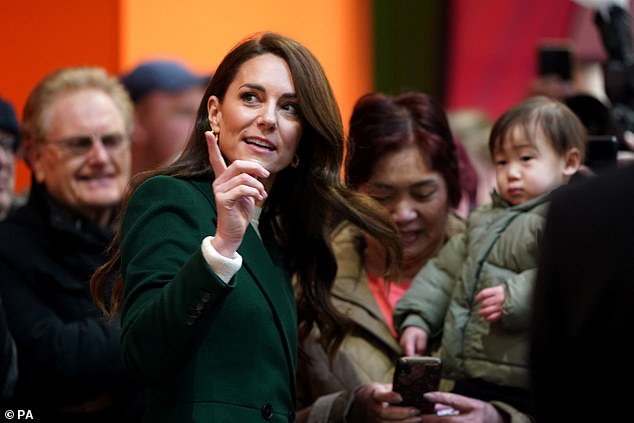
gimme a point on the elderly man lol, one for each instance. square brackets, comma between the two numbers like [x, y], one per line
[76, 127]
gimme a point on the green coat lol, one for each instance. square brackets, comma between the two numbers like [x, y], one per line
[208, 351]
[500, 247]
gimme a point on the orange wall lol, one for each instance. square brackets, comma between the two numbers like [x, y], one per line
[117, 34]
[40, 36]
[200, 32]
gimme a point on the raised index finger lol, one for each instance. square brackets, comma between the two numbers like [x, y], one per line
[215, 156]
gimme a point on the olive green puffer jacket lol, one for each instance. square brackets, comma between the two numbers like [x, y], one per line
[499, 248]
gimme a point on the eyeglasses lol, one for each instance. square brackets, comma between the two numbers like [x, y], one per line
[82, 144]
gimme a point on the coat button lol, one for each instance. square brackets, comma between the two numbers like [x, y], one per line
[267, 411]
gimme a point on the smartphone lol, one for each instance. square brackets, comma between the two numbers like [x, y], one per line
[414, 376]
[555, 59]
[601, 152]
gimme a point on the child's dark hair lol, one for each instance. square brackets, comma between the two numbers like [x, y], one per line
[558, 123]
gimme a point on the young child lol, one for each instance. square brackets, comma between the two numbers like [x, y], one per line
[478, 290]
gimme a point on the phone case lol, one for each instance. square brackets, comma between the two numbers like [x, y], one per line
[413, 377]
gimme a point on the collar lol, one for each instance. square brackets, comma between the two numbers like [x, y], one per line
[62, 221]
[498, 202]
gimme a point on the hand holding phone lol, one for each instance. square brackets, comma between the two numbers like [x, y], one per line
[413, 377]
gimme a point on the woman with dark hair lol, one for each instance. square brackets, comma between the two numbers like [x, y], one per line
[401, 153]
[209, 245]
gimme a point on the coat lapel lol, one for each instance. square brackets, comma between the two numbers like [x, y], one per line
[274, 282]
[272, 279]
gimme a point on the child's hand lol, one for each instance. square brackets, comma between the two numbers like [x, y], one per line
[414, 341]
[491, 303]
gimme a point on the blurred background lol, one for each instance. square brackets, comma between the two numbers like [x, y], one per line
[471, 55]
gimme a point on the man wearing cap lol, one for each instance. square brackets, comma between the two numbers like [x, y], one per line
[166, 96]
[9, 144]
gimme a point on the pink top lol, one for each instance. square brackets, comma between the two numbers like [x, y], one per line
[386, 295]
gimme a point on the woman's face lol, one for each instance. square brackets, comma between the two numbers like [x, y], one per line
[259, 117]
[417, 199]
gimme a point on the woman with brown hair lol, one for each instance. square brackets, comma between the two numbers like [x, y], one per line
[209, 245]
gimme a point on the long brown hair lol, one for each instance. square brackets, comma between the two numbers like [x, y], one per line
[302, 201]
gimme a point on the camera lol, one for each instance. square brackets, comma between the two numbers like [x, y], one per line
[616, 34]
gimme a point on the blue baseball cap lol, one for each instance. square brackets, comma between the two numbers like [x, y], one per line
[160, 75]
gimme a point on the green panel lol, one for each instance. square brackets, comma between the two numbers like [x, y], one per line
[410, 45]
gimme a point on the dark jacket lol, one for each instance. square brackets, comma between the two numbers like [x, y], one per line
[8, 358]
[69, 355]
[584, 294]
[210, 351]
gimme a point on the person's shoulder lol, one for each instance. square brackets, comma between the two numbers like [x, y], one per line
[347, 242]
[166, 185]
[157, 181]
[606, 198]
[481, 215]
[27, 232]
[168, 191]
[344, 232]
[455, 225]
[613, 183]
[25, 218]
[483, 208]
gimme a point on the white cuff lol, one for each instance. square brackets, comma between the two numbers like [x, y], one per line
[222, 266]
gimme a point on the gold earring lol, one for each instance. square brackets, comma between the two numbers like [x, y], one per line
[216, 136]
[295, 161]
